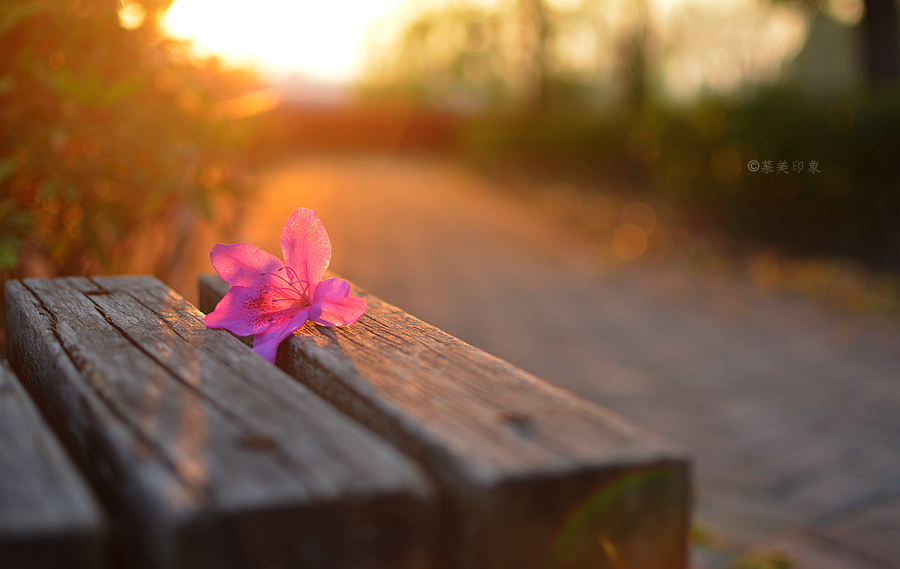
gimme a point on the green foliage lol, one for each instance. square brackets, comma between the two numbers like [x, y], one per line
[848, 207]
[112, 144]
[509, 54]
[701, 536]
[698, 158]
[451, 53]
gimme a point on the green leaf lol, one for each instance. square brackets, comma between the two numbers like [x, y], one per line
[19, 220]
[14, 221]
[12, 14]
[7, 167]
[121, 90]
[47, 189]
[9, 253]
[7, 82]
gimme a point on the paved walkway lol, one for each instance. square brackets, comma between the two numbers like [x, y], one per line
[791, 410]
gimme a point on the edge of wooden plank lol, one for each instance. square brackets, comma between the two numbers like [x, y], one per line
[177, 521]
[48, 515]
[93, 434]
[648, 478]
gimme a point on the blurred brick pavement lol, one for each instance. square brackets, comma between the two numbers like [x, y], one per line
[790, 409]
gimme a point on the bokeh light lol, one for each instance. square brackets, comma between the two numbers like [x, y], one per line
[640, 214]
[848, 12]
[726, 164]
[629, 241]
[132, 15]
[839, 117]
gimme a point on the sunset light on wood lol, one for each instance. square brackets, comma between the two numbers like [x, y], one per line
[605, 283]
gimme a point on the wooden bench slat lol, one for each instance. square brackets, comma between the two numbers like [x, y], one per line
[48, 516]
[212, 459]
[532, 476]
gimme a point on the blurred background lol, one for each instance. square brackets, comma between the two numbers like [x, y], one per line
[134, 129]
[619, 196]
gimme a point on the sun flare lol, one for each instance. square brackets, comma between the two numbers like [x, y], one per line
[321, 41]
[710, 44]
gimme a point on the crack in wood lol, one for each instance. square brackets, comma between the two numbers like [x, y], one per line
[97, 381]
[296, 482]
[175, 374]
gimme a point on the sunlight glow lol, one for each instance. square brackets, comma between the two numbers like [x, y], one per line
[718, 45]
[131, 15]
[702, 45]
[320, 41]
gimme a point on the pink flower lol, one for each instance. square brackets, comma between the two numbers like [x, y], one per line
[271, 299]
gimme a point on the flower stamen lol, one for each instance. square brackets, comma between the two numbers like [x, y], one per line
[295, 291]
[272, 305]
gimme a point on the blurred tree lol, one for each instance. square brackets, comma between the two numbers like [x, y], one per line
[633, 58]
[454, 53]
[879, 38]
[113, 145]
[526, 52]
[881, 41]
[537, 29]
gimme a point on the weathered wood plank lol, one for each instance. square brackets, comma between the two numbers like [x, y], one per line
[206, 456]
[532, 476]
[48, 517]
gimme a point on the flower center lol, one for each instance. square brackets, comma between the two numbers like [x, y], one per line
[295, 290]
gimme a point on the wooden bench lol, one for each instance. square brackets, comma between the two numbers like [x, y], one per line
[48, 517]
[204, 455]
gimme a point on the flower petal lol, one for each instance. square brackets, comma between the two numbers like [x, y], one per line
[305, 245]
[266, 343]
[244, 265]
[332, 304]
[244, 311]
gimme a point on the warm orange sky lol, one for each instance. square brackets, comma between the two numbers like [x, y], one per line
[321, 40]
[329, 41]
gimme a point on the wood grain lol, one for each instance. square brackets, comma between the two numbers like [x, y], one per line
[48, 517]
[530, 475]
[206, 455]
